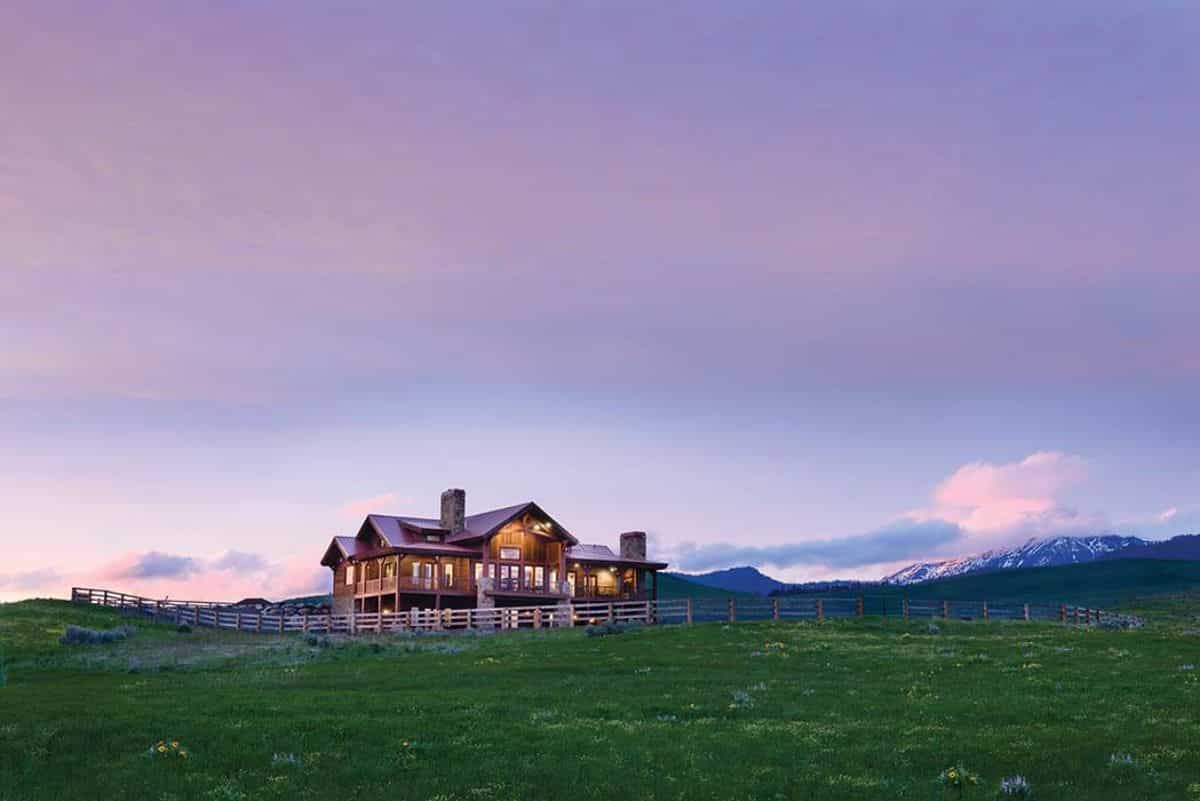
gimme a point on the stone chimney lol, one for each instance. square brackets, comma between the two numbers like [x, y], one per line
[454, 509]
[633, 545]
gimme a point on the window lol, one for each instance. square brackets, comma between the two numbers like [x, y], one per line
[553, 579]
[529, 576]
[511, 553]
[433, 538]
[478, 571]
[349, 575]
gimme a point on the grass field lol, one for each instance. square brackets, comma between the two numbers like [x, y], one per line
[844, 709]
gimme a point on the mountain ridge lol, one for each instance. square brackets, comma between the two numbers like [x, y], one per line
[1034, 552]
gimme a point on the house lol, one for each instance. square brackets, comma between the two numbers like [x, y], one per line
[515, 556]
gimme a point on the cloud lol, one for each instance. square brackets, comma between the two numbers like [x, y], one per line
[30, 580]
[902, 539]
[1167, 515]
[356, 510]
[1013, 500]
[224, 577]
[238, 560]
[153, 565]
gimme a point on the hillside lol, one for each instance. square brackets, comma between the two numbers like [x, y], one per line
[1033, 553]
[672, 713]
[734, 579]
[674, 585]
[1104, 583]
[1185, 547]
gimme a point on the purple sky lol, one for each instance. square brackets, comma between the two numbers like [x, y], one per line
[877, 281]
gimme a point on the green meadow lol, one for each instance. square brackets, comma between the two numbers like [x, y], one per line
[841, 709]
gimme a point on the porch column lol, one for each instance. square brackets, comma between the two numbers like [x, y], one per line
[562, 563]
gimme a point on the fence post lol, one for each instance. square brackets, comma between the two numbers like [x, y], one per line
[689, 610]
[281, 621]
[237, 623]
[820, 609]
[858, 607]
[304, 621]
[732, 609]
[157, 610]
[258, 622]
[945, 610]
[648, 614]
[1026, 610]
[350, 626]
[775, 609]
[985, 610]
[612, 613]
[905, 605]
[1062, 613]
[1077, 616]
[537, 618]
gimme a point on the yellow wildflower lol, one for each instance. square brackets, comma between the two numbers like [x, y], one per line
[162, 749]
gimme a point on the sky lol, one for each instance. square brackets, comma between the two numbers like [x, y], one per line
[825, 288]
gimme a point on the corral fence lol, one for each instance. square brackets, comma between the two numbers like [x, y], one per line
[666, 611]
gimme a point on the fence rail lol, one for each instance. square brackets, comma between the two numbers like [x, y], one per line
[669, 611]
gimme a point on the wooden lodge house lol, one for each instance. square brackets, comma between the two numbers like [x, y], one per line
[515, 556]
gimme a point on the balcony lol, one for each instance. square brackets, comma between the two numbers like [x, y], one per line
[390, 584]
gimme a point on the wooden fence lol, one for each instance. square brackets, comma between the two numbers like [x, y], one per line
[675, 610]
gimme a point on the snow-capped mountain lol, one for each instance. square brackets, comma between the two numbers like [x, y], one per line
[1034, 553]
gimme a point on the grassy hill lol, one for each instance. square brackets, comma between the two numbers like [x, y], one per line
[851, 709]
[671, 585]
[1100, 584]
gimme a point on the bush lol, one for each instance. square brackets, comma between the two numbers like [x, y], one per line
[184, 628]
[604, 629]
[3, 672]
[78, 635]
[317, 640]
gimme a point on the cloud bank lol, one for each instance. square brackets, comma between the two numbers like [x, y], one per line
[903, 539]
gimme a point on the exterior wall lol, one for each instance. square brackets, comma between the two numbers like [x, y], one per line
[343, 594]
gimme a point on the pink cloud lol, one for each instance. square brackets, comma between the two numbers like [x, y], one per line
[1014, 500]
[356, 510]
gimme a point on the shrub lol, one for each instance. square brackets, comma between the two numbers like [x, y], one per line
[3, 672]
[184, 628]
[933, 628]
[78, 635]
[317, 640]
[604, 629]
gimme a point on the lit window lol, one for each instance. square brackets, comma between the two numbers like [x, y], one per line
[349, 575]
[513, 554]
[478, 570]
[433, 538]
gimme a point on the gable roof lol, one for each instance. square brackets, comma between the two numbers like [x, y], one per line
[485, 524]
[602, 553]
[341, 548]
[409, 533]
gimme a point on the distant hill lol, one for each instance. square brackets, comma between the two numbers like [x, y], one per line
[677, 585]
[734, 579]
[1185, 547]
[1034, 553]
[1100, 583]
